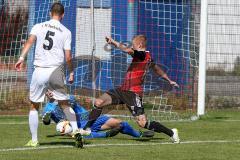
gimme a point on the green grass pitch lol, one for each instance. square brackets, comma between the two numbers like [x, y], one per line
[216, 136]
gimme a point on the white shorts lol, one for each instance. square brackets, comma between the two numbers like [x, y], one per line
[44, 79]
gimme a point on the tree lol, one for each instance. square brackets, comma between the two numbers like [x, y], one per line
[11, 25]
[236, 68]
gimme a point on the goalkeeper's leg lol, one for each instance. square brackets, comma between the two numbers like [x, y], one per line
[123, 127]
[127, 129]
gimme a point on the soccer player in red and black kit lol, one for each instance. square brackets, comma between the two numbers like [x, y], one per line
[131, 91]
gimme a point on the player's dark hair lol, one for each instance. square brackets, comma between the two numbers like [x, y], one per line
[57, 9]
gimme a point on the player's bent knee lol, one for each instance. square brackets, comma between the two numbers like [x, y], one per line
[114, 123]
[117, 122]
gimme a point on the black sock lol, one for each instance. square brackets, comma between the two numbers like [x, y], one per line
[112, 132]
[158, 127]
[94, 114]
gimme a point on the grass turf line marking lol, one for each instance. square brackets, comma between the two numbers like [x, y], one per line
[12, 123]
[24, 122]
[117, 144]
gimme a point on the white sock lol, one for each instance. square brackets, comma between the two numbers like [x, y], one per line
[71, 116]
[33, 124]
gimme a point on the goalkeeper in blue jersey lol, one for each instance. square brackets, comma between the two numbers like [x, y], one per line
[112, 126]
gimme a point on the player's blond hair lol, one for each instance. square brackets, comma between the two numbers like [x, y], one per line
[142, 39]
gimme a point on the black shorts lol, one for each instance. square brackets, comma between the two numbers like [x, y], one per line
[132, 100]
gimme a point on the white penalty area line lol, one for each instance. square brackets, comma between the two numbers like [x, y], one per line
[117, 144]
[232, 120]
[12, 123]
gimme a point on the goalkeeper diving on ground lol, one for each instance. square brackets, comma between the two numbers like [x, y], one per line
[103, 127]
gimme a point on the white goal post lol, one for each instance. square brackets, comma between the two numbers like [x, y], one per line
[202, 58]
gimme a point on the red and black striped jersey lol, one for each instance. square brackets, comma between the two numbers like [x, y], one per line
[136, 72]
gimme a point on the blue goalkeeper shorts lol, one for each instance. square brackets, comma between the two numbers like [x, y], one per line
[99, 122]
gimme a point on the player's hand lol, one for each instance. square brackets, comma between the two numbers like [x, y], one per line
[174, 84]
[19, 64]
[71, 78]
[109, 40]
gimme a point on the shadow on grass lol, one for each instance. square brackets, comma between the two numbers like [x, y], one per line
[59, 136]
[214, 117]
[58, 143]
[143, 139]
[94, 140]
[53, 135]
[221, 117]
[71, 142]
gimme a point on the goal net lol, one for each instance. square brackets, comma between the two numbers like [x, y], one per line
[171, 28]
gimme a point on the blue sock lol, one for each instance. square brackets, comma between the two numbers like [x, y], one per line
[127, 129]
[96, 135]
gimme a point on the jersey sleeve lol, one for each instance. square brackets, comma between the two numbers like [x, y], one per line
[68, 41]
[34, 30]
[139, 55]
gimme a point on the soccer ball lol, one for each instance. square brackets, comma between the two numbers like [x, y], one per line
[64, 127]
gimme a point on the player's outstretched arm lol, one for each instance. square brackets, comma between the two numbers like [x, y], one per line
[119, 45]
[161, 73]
[27, 46]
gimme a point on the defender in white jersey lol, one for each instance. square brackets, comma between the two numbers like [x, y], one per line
[53, 47]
